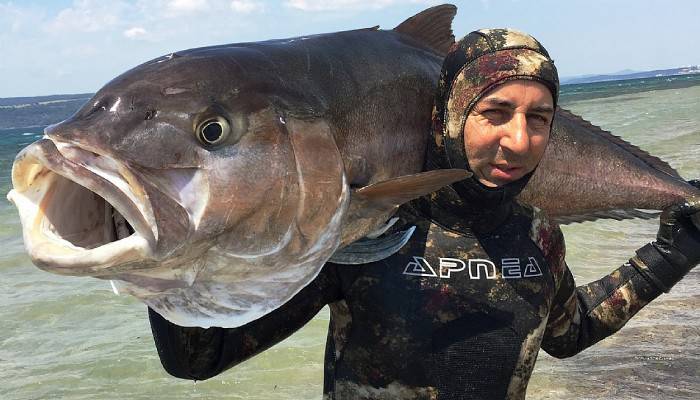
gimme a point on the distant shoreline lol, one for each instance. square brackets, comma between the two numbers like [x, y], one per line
[39, 111]
[33, 113]
[50, 98]
[658, 73]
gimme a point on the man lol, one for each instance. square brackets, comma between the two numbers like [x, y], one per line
[462, 310]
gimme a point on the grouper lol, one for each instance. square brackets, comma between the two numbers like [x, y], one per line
[214, 183]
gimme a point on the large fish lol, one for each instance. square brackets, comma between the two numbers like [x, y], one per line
[214, 183]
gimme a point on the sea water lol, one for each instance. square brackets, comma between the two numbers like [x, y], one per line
[72, 338]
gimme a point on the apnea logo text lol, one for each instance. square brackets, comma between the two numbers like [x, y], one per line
[511, 268]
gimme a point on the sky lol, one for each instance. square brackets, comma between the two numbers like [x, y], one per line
[76, 46]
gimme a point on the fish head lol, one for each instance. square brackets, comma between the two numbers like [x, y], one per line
[227, 198]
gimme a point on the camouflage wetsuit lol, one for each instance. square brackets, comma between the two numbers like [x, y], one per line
[455, 314]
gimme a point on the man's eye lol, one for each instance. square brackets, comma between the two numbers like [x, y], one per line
[539, 119]
[494, 115]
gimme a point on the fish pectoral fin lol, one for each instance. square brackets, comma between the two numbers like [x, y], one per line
[372, 205]
[386, 195]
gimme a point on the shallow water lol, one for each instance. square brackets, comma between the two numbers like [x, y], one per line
[657, 354]
[72, 338]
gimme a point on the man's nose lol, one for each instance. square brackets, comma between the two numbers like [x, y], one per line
[515, 136]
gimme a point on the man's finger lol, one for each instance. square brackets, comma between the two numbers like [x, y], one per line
[696, 220]
[691, 208]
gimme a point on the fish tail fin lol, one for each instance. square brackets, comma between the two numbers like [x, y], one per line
[431, 28]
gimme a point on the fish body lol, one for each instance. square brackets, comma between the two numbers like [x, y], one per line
[214, 183]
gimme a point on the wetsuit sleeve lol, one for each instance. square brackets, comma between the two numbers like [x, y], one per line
[581, 316]
[199, 354]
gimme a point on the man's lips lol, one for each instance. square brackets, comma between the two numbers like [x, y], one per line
[506, 171]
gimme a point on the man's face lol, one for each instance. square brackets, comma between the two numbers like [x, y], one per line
[507, 131]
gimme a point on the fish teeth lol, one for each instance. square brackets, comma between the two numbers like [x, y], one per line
[121, 226]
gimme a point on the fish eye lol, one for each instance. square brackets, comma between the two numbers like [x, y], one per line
[213, 131]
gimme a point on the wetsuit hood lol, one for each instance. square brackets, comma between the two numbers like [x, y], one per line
[474, 66]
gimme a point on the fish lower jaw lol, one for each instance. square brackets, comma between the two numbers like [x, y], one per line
[75, 223]
[61, 257]
[65, 243]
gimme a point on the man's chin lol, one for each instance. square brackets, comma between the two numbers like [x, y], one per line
[489, 183]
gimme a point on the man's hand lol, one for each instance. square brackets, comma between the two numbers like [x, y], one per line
[677, 247]
[678, 239]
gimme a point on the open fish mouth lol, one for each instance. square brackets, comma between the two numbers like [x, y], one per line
[82, 213]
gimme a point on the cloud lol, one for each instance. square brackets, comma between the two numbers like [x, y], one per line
[88, 16]
[80, 50]
[324, 5]
[136, 32]
[14, 19]
[246, 6]
[177, 7]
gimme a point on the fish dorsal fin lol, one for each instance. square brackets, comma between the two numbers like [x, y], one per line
[431, 28]
[647, 158]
